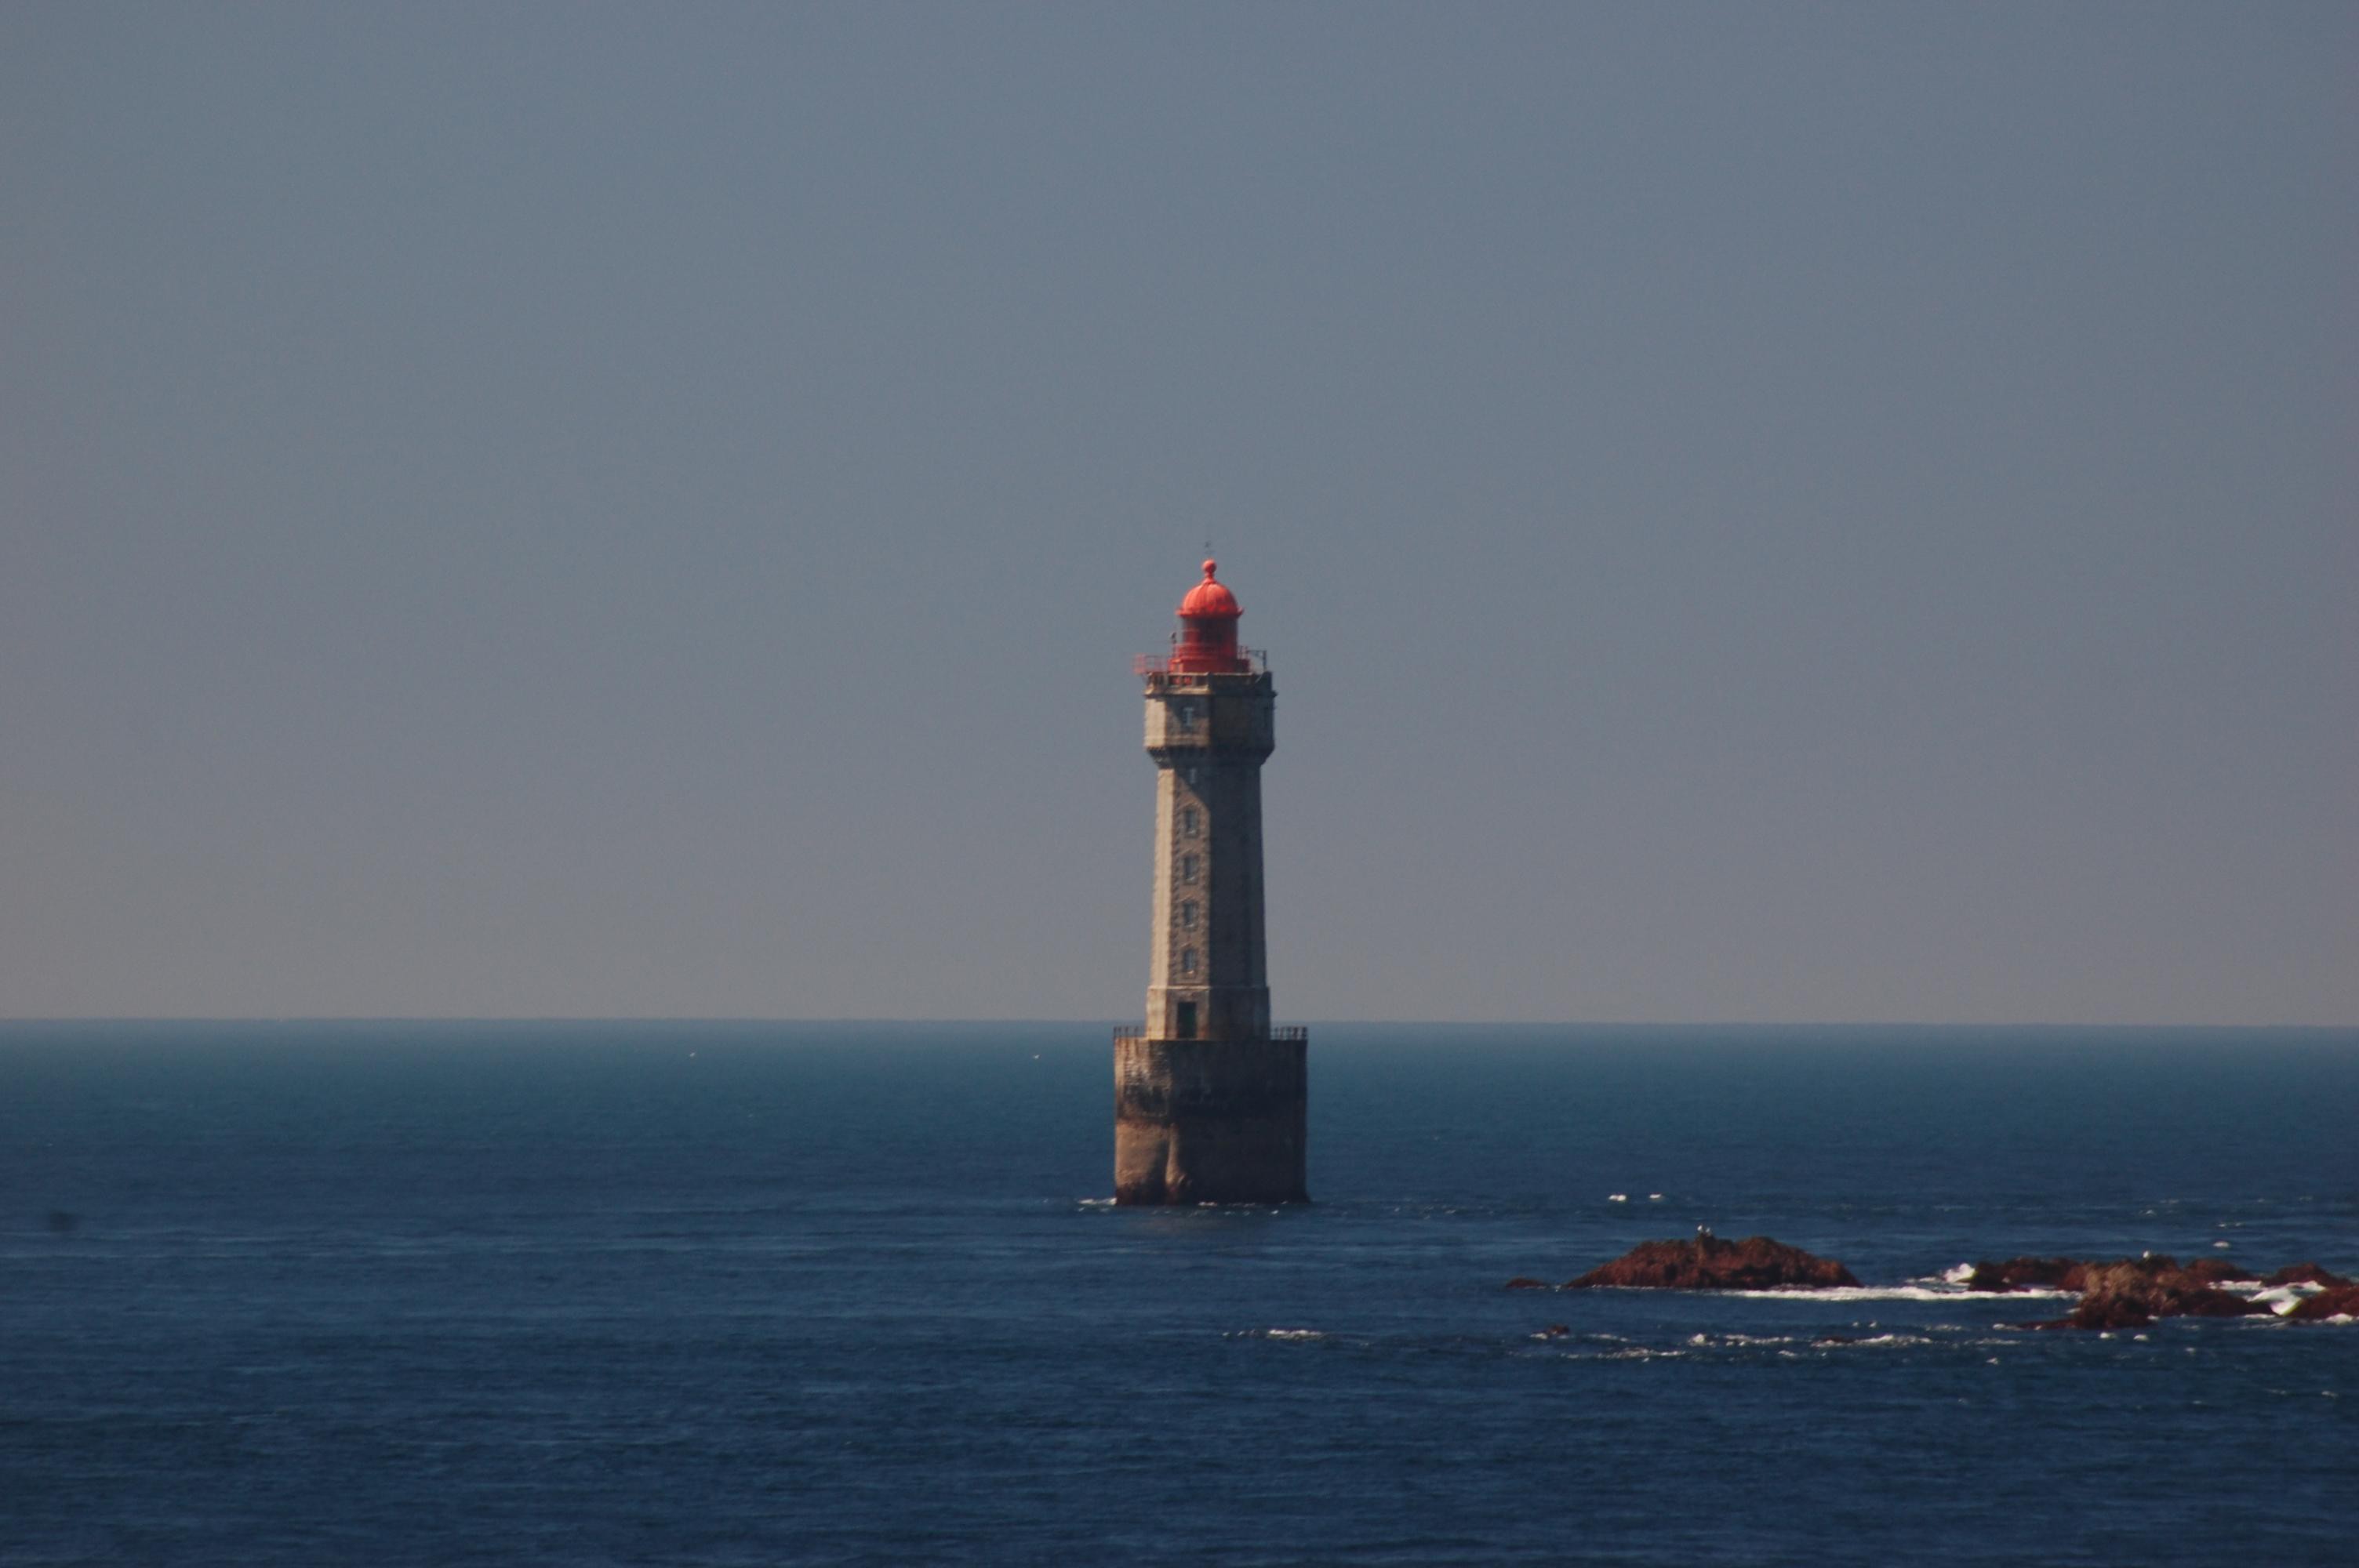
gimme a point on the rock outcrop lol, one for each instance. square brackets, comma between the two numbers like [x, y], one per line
[2129, 1293]
[2027, 1275]
[1708, 1264]
[2335, 1301]
[2220, 1271]
[2135, 1291]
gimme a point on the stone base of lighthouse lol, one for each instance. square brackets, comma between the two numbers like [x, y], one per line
[1209, 1121]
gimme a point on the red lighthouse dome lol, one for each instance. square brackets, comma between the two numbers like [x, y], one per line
[1207, 644]
[1209, 601]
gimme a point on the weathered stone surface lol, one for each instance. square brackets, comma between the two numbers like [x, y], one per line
[2304, 1274]
[1210, 1121]
[1207, 974]
[1708, 1264]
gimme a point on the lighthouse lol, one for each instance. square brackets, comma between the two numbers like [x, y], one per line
[1208, 1100]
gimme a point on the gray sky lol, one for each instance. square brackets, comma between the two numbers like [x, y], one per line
[1759, 513]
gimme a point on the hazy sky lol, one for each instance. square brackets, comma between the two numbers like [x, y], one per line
[1763, 512]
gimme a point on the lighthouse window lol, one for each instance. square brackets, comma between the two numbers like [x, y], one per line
[1187, 823]
[1187, 868]
[1188, 915]
[1186, 960]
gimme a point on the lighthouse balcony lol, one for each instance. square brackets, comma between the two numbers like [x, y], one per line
[1284, 1035]
[1158, 669]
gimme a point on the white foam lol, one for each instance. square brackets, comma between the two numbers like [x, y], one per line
[1959, 1275]
[1293, 1333]
[1917, 1291]
[1911, 1293]
[2283, 1299]
[1654, 1197]
[1617, 1197]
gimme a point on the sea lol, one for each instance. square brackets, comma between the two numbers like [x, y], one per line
[756, 1293]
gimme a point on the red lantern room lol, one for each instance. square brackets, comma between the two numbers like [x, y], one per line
[1207, 644]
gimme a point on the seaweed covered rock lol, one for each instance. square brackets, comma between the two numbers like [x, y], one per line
[1708, 1264]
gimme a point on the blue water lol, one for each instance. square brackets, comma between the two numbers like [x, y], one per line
[584, 1293]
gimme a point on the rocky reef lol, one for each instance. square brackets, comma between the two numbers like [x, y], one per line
[1708, 1264]
[2127, 1292]
[2027, 1275]
[2135, 1291]
[2131, 1292]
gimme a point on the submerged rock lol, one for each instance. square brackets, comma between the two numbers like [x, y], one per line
[1708, 1264]
[1526, 1282]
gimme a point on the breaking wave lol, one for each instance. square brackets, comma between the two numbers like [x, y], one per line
[1913, 1290]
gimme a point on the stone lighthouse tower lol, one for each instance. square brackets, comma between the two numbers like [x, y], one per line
[1207, 1098]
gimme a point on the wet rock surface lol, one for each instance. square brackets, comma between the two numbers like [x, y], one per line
[1709, 1263]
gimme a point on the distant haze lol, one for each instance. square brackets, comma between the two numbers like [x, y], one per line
[1757, 513]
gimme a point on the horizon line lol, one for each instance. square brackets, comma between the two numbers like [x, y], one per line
[357, 1018]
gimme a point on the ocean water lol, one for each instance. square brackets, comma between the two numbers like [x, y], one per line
[739, 1293]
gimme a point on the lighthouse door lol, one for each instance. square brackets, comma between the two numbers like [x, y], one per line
[1184, 1026]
